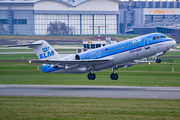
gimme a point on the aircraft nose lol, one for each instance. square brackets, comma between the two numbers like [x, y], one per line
[173, 42]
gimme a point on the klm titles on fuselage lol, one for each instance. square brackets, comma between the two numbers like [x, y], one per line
[46, 53]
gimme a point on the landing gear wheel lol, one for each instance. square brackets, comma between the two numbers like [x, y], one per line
[114, 76]
[91, 76]
[158, 60]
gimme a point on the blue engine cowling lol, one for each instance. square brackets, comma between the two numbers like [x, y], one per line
[47, 68]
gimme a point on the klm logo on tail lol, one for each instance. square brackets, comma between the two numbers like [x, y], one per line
[46, 53]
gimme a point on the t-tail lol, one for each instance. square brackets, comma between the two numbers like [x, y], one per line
[42, 49]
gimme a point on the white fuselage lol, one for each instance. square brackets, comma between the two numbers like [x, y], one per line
[121, 55]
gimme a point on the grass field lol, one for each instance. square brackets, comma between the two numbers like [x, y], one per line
[16, 108]
[172, 54]
[137, 75]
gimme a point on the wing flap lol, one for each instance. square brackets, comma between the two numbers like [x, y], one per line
[134, 62]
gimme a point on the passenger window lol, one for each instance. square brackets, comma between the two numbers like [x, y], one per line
[154, 38]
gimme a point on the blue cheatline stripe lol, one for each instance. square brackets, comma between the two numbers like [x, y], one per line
[117, 46]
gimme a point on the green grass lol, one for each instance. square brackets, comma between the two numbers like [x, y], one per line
[172, 54]
[16, 108]
[137, 75]
[18, 56]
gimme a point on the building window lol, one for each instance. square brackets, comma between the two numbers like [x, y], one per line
[42, 21]
[15, 21]
[4, 21]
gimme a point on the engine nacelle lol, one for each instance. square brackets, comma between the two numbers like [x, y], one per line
[77, 57]
[48, 68]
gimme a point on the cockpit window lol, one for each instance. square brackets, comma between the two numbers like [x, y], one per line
[157, 37]
[162, 36]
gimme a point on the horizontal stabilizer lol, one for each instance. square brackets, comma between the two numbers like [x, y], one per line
[33, 44]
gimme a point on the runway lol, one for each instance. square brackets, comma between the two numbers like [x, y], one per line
[91, 91]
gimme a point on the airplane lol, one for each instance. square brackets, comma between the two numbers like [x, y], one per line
[121, 54]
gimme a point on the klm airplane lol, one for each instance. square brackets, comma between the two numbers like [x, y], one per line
[122, 54]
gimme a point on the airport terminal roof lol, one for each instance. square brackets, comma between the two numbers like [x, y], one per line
[71, 3]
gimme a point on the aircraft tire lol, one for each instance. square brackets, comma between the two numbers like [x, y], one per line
[114, 76]
[158, 60]
[91, 76]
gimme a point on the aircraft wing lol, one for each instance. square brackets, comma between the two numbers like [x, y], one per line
[139, 62]
[73, 62]
[134, 62]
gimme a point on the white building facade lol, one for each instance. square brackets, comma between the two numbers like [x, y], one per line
[84, 18]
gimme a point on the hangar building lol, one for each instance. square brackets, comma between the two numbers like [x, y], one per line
[32, 17]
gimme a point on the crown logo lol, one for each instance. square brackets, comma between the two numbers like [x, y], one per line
[45, 49]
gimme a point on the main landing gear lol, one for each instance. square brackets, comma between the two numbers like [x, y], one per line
[158, 60]
[114, 76]
[91, 75]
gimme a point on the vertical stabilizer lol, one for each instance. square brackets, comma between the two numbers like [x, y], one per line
[44, 51]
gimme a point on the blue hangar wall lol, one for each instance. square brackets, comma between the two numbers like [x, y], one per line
[17, 19]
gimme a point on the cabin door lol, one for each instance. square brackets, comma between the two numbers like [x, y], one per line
[146, 44]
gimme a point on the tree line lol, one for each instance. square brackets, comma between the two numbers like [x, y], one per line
[59, 28]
